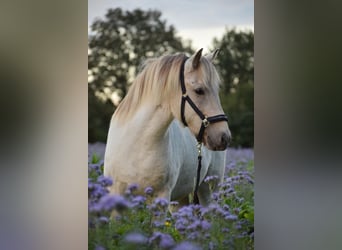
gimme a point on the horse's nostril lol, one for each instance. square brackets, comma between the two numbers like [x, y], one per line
[225, 139]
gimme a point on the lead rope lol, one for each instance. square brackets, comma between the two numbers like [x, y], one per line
[199, 166]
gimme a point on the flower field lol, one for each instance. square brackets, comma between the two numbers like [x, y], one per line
[145, 222]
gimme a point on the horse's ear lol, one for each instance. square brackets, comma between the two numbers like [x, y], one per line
[196, 59]
[212, 55]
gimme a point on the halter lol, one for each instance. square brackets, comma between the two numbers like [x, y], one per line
[206, 121]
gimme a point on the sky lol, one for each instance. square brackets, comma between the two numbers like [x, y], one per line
[196, 20]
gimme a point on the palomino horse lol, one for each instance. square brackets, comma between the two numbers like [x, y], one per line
[152, 134]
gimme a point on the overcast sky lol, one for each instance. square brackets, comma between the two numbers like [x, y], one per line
[197, 20]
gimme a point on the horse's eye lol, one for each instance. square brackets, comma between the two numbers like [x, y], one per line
[199, 91]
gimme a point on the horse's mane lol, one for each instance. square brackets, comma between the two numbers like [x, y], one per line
[157, 81]
[158, 78]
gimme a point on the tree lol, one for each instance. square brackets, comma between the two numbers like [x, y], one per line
[235, 64]
[117, 46]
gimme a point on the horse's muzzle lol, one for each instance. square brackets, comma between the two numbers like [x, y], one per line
[221, 143]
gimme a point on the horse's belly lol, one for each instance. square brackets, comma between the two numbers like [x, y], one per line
[144, 171]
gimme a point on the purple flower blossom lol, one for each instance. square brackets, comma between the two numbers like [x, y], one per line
[132, 187]
[103, 219]
[231, 217]
[94, 166]
[205, 225]
[174, 203]
[158, 223]
[135, 238]
[138, 201]
[211, 178]
[96, 190]
[161, 202]
[166, 241]
[184, 212]
[148, 191]
[110, 202]
[105, 181]
[195, 225]
[180, 225]
[162, 240]
[193, 235]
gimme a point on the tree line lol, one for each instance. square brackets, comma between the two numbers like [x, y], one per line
[122, 40]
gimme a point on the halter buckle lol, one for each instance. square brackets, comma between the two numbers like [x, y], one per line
[205, 122]
[199, 147]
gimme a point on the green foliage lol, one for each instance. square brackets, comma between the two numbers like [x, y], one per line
[95, 158]
[117, 46]
[235, 64]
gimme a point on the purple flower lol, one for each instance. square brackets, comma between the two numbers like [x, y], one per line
[148, 190]
[135, 238]
[105, 181]
[110, 202]
[195, 225]
[158, 223]
[103, 219]
[166, 241]
[204, 211]
[132, 187]
[231, 217]
[184, 212]
[180, 224]
[162, 240]
[93, 166]
[95, 190]
[193, 235]
[186, 246]
[225, 207]
[174, 203]
[161, 202]
[205, 225]
[138, 201]
[211, 178]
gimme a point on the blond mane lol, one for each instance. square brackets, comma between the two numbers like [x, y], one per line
[158, 81]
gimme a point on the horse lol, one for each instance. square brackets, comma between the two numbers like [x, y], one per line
[154, 131]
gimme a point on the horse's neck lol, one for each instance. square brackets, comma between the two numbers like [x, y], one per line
[149, 125]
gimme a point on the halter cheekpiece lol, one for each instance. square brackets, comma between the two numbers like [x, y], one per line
[206, 121]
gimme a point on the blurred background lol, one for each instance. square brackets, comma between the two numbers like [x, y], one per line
[122, 34]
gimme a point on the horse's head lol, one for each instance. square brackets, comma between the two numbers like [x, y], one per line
[200, 100]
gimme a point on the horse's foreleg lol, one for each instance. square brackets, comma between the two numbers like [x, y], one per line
[165, 193]
[204, 194]
[182, 202]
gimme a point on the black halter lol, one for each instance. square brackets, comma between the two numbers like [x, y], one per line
[206, 121]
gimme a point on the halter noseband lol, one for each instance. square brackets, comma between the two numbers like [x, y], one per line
[206, 121]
